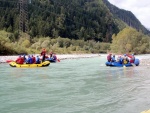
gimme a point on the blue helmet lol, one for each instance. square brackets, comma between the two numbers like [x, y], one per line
[125, 55]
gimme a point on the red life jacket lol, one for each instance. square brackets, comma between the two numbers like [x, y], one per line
[43, 52]
[109, 58]
[20, 60]
[132, 59]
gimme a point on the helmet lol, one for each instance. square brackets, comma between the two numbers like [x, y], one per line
[125, 55]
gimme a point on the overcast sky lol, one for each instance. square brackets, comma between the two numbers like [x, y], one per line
[140, 8]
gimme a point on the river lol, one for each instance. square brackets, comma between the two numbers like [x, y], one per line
[82, 85]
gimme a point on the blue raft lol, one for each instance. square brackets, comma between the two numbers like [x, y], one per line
[51, 60]
[117, 64]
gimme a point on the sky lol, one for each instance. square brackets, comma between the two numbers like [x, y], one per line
[140, 8]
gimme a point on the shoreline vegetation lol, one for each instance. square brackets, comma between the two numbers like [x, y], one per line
[32, 45]
[128, 41]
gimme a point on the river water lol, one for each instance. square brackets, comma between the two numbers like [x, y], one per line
[83, 85]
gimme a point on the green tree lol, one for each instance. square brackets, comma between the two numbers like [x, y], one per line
[129, 40]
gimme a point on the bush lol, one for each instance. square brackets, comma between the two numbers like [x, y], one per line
[26, 43]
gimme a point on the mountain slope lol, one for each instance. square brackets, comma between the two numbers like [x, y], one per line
[74, 19]
[126, 16]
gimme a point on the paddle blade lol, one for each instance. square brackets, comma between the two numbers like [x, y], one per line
[8, 61]
[133, 64]
[58, 60]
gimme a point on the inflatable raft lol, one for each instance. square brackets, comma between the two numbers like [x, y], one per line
[117, 64]
[43, 64]
[51, 60]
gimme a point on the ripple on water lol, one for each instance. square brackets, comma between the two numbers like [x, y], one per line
[75, 86]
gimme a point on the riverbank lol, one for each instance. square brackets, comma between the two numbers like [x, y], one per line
[3, 59]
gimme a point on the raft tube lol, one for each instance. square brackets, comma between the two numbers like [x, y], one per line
[117, 64]
[43, 64]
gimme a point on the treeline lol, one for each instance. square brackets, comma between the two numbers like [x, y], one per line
[126, 41]
[26, 45]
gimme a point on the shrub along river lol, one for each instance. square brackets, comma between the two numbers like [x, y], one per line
[83, 85]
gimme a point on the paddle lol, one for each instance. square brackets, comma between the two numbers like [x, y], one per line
[8, 61]
[58, 60]
[133, 64]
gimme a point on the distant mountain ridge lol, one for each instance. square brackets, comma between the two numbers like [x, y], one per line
[126, 16]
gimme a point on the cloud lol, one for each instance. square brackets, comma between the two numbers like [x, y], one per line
[140, 8]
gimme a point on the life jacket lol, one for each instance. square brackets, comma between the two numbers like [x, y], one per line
[20, 60]
[43, 52]
[33, 60]
[125, 61]
[113, 59]
[54, 57]
[132, 59]
[37, 60]
[109, 58]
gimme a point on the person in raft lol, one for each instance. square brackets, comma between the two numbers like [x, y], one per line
[33, 59]
[113, 58]
[109, 57]
[38, 60]
[20, 60]
[132, 58]
[24, 57]
[29, 60]
[53, 57]
[51, 54]
[43, 53]
[119, 59]
[125, 59]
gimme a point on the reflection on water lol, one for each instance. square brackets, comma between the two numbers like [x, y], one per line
[26, 72]
[114, 72]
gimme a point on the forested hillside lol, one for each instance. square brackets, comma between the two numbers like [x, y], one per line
[126, 16]
[65, 26]
[76, 19]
